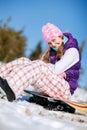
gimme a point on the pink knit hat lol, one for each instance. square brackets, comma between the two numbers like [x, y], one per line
[50, 32]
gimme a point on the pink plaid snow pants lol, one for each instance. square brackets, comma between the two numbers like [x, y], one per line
[22, 73]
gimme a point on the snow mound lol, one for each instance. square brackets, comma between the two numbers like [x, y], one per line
[21, 115]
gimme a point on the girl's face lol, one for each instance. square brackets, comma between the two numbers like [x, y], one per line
[56, 43]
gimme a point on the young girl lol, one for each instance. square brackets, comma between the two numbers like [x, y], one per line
[55, 75]
[64, 53]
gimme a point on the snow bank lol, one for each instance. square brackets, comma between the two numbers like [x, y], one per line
[22, 115]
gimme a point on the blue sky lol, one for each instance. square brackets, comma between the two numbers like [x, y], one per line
[68, 15]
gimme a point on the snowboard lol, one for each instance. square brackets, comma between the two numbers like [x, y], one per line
[48, 102]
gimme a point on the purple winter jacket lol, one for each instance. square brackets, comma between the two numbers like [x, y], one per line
[72, 74]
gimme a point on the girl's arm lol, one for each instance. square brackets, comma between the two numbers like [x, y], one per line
[70, 58]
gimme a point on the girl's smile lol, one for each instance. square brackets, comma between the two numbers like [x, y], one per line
[56, 43]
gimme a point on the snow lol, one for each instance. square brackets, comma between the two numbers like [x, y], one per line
[21, 115]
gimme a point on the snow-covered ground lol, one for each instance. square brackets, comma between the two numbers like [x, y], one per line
[22, 115]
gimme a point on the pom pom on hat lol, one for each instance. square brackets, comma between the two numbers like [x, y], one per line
[50, 32]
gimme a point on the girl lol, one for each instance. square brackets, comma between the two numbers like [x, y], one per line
[63, 53]
[56, 75]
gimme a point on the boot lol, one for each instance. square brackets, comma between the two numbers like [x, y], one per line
[5, 91]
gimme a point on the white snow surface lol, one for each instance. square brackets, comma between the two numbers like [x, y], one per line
[22, 115]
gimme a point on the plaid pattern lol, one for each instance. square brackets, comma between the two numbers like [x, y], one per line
[22, 73]
[5, 69]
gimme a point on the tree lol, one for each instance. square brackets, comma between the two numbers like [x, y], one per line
[83, 44]
[12, 43]
[81, 50]
[37, 52]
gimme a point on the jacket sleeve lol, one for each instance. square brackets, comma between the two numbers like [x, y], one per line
[70, 58]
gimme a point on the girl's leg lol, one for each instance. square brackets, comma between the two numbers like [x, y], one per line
[52, 84]
[23, 76]
[37, 73]
[6, 68]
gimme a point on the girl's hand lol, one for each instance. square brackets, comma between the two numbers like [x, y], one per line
[63, 75]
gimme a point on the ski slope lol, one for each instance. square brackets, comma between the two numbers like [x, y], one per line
[22, 115]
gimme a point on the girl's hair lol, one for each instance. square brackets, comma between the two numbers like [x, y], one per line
[46, 57]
